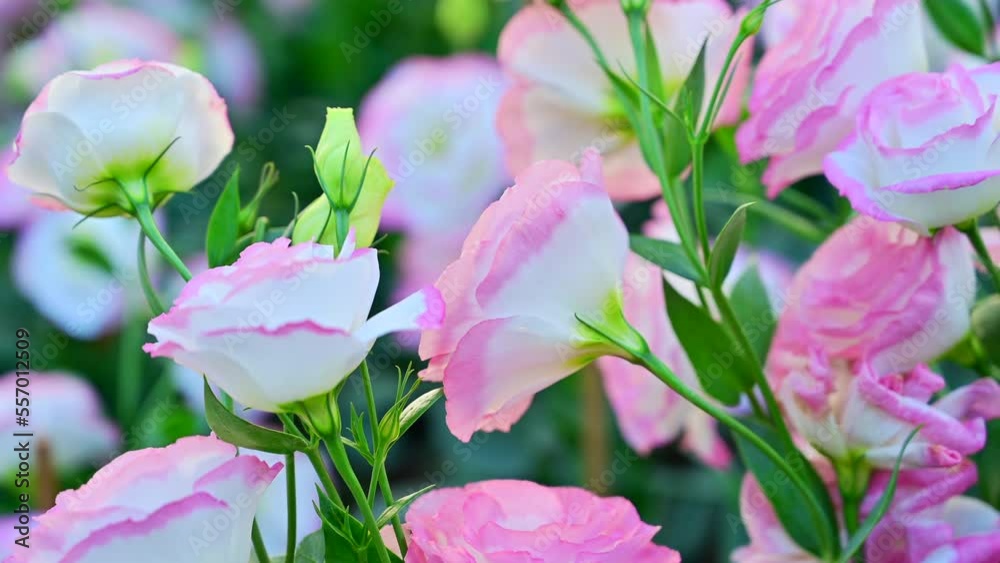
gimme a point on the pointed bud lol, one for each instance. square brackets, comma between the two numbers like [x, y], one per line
[356, 183]
[635, 6]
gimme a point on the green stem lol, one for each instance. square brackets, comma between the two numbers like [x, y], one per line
[291, 507]
[852, 478]
[343, 464]
[715, 103]
[155, 303]
[397, 524]
[698, 183]
[971, 230]
[655, 366]
[130, 367]
[316, 460]
[258, 544]
[372, 409]
[145, 216]
[635, 23]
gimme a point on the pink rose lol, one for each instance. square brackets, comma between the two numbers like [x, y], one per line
[193, 501]
[881, 291]
[127, 127]
[562, 102]
[924, 150]
[431, 121]
[552, 248]
[849, 411]
[808, 88]
[282, 310]
[928, 522]
[523, 521]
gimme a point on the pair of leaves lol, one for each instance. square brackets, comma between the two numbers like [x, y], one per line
[233, 429]
[230, 221]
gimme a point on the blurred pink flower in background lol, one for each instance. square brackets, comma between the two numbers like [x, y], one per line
[80, 276]
[807, 88]
[550, 249]
[769, 542]
[879, 291]
[16, 208]
[193, 501]
[929, 522]
[849, 411]
[523, 521]
[562, 103]
[231, 60]
[431, 121]
[66, 415]
[90, 35]
[924, 150]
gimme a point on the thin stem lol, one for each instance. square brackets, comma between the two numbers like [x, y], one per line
[698, 183]
[145, 216]
[130, 367]
[852, 479]
[291, 507]
[343, 464]
[315, 459]
[366, 376]
[760, 378]
[636, 21]
[661, 371]
[258, 544]
[715, 103]
[971, 230]
[397, 524]
[155, 303]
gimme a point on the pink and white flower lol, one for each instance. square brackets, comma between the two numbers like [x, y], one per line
[524, 521]
[66, 415]
[80, 276]
[808, 88]
[85, 37]
[232, 61]
[284, 323]
[879, 291]
[849, 411]
[129, 131]
[550, 249]
[928, 522]
[562, 102]
[432, 122]
[924, 149]
[192, 501]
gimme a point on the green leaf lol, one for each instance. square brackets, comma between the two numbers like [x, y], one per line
[312, 549]
[654, 69]
[753, 310]
[711, 350]
[957, 21]
[399, 505]
[677, 146]
[788, 502]
[988, 461]
[726, 245]
[986, 326]
[876, 515]
[233, 429]
[668, 255]
[692, 93]
[224, 224]
[417, 408]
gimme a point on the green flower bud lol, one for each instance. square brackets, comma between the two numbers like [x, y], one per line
[341, 167]
[752, 22]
